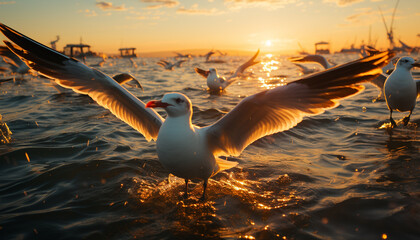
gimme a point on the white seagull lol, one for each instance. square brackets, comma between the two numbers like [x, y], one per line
[186, 150]
[304, 69]
[316, 58]
[169, 65]
[217, 83]
[401, 90]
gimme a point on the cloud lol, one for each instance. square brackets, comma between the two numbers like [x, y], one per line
[88, 13]
[161, 3]
[194, 10]
[343, 3]
[9, 2]
[270, 4]
[107, 6]
[363, 17]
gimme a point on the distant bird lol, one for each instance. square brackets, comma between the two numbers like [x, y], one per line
[133, 63]
[304, 69]
[401, 90]
[186, 150]
[169, 65]
[101, 63]
[208, 55]
[218, 83]
[315, 58]
[180, 55]
[16, 65]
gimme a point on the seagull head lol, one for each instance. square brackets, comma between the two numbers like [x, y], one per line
[213, 71]
[407, 63]
[175, 104]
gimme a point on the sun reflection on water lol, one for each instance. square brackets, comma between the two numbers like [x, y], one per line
[270, 81]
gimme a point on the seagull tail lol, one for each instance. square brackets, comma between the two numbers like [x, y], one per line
[224, 164]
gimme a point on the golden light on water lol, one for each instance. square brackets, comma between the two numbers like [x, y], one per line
[269, 66]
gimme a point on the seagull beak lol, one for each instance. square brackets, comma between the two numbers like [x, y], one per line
[155, 104]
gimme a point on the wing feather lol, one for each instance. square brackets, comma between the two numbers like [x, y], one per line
[282, 108]
[246, 65]
[70, 73]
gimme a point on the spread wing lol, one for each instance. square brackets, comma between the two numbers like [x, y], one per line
[312, 58]
[202, 72]
[246, 65]
[281, 108]
[70, 73]
[122, 78]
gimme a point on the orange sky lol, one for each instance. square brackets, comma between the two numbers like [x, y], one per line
[171, 25]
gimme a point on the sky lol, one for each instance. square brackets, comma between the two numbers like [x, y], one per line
[245, 25]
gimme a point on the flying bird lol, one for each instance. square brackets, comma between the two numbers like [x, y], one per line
[180, 55]
[316, 58]
[304, 69]
[186, 150]
[400, 89]
[169, 65]
[217, 83]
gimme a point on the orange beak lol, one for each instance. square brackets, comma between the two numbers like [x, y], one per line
[155, 104]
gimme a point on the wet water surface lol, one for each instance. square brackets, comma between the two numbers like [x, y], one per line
[72, 170]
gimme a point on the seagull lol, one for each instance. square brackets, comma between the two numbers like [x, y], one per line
[180, 55]
[401, 90]
[210, 53]
[169, 65]
[305, 70]
[101, 63]
[379, 81]
[16, 65]
[186, 150]
[314, 58]
[217, 83]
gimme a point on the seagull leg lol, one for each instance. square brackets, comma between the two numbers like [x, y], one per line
[203, 198]
[185, 196]
[393, 123]
[407, 118]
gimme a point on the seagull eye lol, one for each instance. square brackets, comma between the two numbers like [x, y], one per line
[179, 100]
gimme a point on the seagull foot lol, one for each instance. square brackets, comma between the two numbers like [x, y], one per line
[393, 123]
[406, 120]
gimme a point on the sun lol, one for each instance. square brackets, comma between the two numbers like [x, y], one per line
[268, 43]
